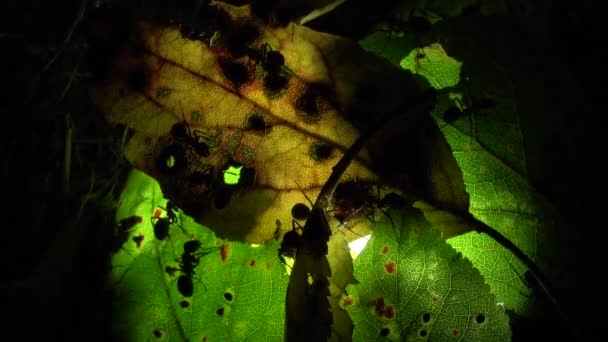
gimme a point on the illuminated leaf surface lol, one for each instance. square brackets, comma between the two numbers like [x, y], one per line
[238, 289]
[489, 145]
[289, 136]
[414, 286]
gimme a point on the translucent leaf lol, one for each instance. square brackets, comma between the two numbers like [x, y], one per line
[432, 62]
[285, 137]
[414, 286]
[238, 290]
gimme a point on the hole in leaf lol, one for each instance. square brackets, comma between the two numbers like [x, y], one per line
[320, 152]
[384, 332]
[426, 317]
[480, 318]
[228, 296]
[220, 311]
[423, 332]
[171, 160]
[184, 304]
[157, 333]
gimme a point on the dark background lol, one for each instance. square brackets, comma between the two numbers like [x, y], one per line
[53, 269]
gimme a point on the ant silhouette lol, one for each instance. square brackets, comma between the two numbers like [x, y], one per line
[163, 224]
[273, 63]
[187, 264]
[292, 240]
[194, 139]
[354, 201]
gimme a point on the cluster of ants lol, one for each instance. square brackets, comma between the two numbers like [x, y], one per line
[192, 250]
[191, 256]
[352, 202]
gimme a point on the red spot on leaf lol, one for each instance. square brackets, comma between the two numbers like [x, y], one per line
[252, 262]
[224, 251]
[388, 312]
[348, 301]
[138, 239]
[384, 250]
[378, 304]
[157, 213]
[455, 332]
[390, 267]
[384, 311]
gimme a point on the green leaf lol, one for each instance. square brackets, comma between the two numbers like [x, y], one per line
[238, 289]
[432, 62]
[414, 286]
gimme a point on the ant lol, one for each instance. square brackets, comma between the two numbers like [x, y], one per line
[162, 224]
[353, 200]
[292, 240]
[187, 265]
[195, 139]
[273, 62]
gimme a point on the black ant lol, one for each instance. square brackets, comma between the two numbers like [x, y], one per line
[292, 240]
[353, 200]
[187, 264]
[195, 139]
[273, 62]
[162, 224]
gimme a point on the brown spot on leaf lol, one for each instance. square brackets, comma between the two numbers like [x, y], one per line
[391, 267]
[348, 301]
[455, 332]
[157, 213]
[138, 239]
[382, 310]
[204, 338]
[384, 250]
[388, 312]
[378, 305]
[252, 262]
[224, 251]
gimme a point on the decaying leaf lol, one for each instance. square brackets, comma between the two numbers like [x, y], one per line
[235, 141]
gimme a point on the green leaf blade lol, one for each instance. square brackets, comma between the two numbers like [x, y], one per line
[238, 289]
[419, 288]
